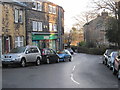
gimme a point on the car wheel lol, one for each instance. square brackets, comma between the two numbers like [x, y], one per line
[48, 61]
[38, 62]
[114, 71]
[118, 74]
[57, 60]
[23, 63]
[111, 68]
[103, 62]
[70, 60]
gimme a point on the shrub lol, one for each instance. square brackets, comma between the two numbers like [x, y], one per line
[96, 51]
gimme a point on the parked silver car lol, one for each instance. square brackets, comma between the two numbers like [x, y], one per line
[22, 55]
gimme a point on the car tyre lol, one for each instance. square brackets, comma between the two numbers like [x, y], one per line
[111, 68]
[58, 60]
[118, 75]
[23, 63]
[48, 61]
[103, 62]
[114, 71]
[70, 60]
[38, 62]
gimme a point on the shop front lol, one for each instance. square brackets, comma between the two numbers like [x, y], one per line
[45, 41]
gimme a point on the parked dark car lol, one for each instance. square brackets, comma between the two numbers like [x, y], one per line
[70, 50]
[22, 56]
[116, 68]
[49, 56]
[65, 55]
[106, 56]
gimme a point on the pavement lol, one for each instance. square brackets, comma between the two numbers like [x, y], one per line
[85, 71]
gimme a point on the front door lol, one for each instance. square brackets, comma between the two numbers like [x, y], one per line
[54, 56]
[7, 44]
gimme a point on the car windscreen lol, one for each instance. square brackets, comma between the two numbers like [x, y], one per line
[108, 52]
[70, 50]
[18, 50]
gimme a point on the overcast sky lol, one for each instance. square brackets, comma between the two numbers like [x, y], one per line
[72, 8]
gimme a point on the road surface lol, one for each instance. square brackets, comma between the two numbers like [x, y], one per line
[85, 71]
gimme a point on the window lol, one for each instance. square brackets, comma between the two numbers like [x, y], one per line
[54, 27]
[34, 6]
[39, 5]
[54, 10]
[39, 26]
[52, 52]
[18, 41]
[50, 9]
[50, 26]
[16, 15]
[35, 50]
[21, 16]
[34, 26]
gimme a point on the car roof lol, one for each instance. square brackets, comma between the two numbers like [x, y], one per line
[30, 46]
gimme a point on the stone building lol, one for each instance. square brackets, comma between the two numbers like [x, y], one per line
[13, 26]
[42, 24]
[95, 30]
[39, 23]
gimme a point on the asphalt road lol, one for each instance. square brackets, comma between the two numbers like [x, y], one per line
[85, 71]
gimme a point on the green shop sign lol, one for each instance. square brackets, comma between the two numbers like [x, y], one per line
[44, 37]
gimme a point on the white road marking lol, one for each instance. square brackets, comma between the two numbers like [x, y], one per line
[74, 68]
[73, 79]
[71, 76]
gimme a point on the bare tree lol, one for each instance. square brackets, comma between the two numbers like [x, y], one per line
[97, 6]
[103, 5]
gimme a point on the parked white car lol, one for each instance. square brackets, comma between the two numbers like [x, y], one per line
[111, 59]
[106, 56]
[22, 55]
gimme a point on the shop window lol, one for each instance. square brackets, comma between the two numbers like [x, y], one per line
[18, 41]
